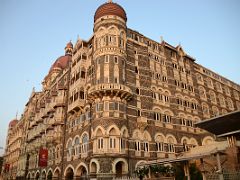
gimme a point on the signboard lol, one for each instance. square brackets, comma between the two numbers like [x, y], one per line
[43, 157]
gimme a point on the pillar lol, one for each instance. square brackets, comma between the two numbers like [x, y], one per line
[219, 167]
[186, 170]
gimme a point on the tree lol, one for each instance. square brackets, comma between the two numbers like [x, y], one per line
[141, 172]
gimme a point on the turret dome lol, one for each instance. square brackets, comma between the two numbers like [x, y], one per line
[110, 8]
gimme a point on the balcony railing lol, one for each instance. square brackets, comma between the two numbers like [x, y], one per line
[113, 89]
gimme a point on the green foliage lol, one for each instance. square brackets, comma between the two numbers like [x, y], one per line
[141, 172]
[179, 172]
[162, 170]
[195, 173]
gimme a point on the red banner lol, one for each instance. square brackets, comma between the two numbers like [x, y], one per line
[43, 158]
[7, 167]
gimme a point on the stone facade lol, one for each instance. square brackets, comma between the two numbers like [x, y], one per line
[117, 100]
[13, 145]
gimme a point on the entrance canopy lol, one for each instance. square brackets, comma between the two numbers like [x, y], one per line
[221, 126]
[194, 153]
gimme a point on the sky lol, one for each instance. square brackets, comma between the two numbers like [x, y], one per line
[33, 35]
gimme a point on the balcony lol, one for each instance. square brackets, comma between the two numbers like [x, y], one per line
[49, 128]
[118, 90]
[57, 122]
[62, 87]
[59, 102]
[76, 105]
[40, 120]
[54, 93]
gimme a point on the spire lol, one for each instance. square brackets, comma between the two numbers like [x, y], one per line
[161, 39]
[16, 114]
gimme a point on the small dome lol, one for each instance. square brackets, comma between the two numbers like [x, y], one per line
[13, 122]
[110, 8]
[61, 63]
[69, 45]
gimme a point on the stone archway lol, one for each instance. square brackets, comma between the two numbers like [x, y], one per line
[43, 176]
[93, 168]
[69, 175]
[56, 174]
[37, 176]
[119, 169]
[29, 176]
[81, 173]
[49, 175]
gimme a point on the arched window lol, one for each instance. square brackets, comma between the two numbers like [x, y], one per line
[199, 77]
[194, 104]
[218, 87]
[167, 117]
[137, 138]
[121, 40]
[235, 94]
[123, 142]
[224, 111]
[160, 143]
[215, 111]
[179, 99]
[100, 143]
[83, 73]
[146, 140]
[157, 116]
[85, 143]
[202, 93]
[69, 146]
[112, 139]
[238, 105]
[57, 152]
[227, 90]
[230, 103]
[212, 97]
[185, 145]
[81, 94]
[209, 82]
[137, 145]
[221, 100]
[167, 97]
[76, 145]
[205, 109]
[170, 145]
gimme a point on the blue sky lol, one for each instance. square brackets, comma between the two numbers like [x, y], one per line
[33, 35]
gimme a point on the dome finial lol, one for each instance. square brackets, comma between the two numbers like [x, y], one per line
[69, 48]
[109, 1]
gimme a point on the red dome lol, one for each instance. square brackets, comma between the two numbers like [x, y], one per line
[13, 122]
[61, 62]
[110, 8]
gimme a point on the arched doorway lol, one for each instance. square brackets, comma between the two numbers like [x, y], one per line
[49, 176]
[119, 169]
[44, 175]
[37, 176]
[93, 168]
[56, 175]
[29, 176]
[81, 173]
[69, 174]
